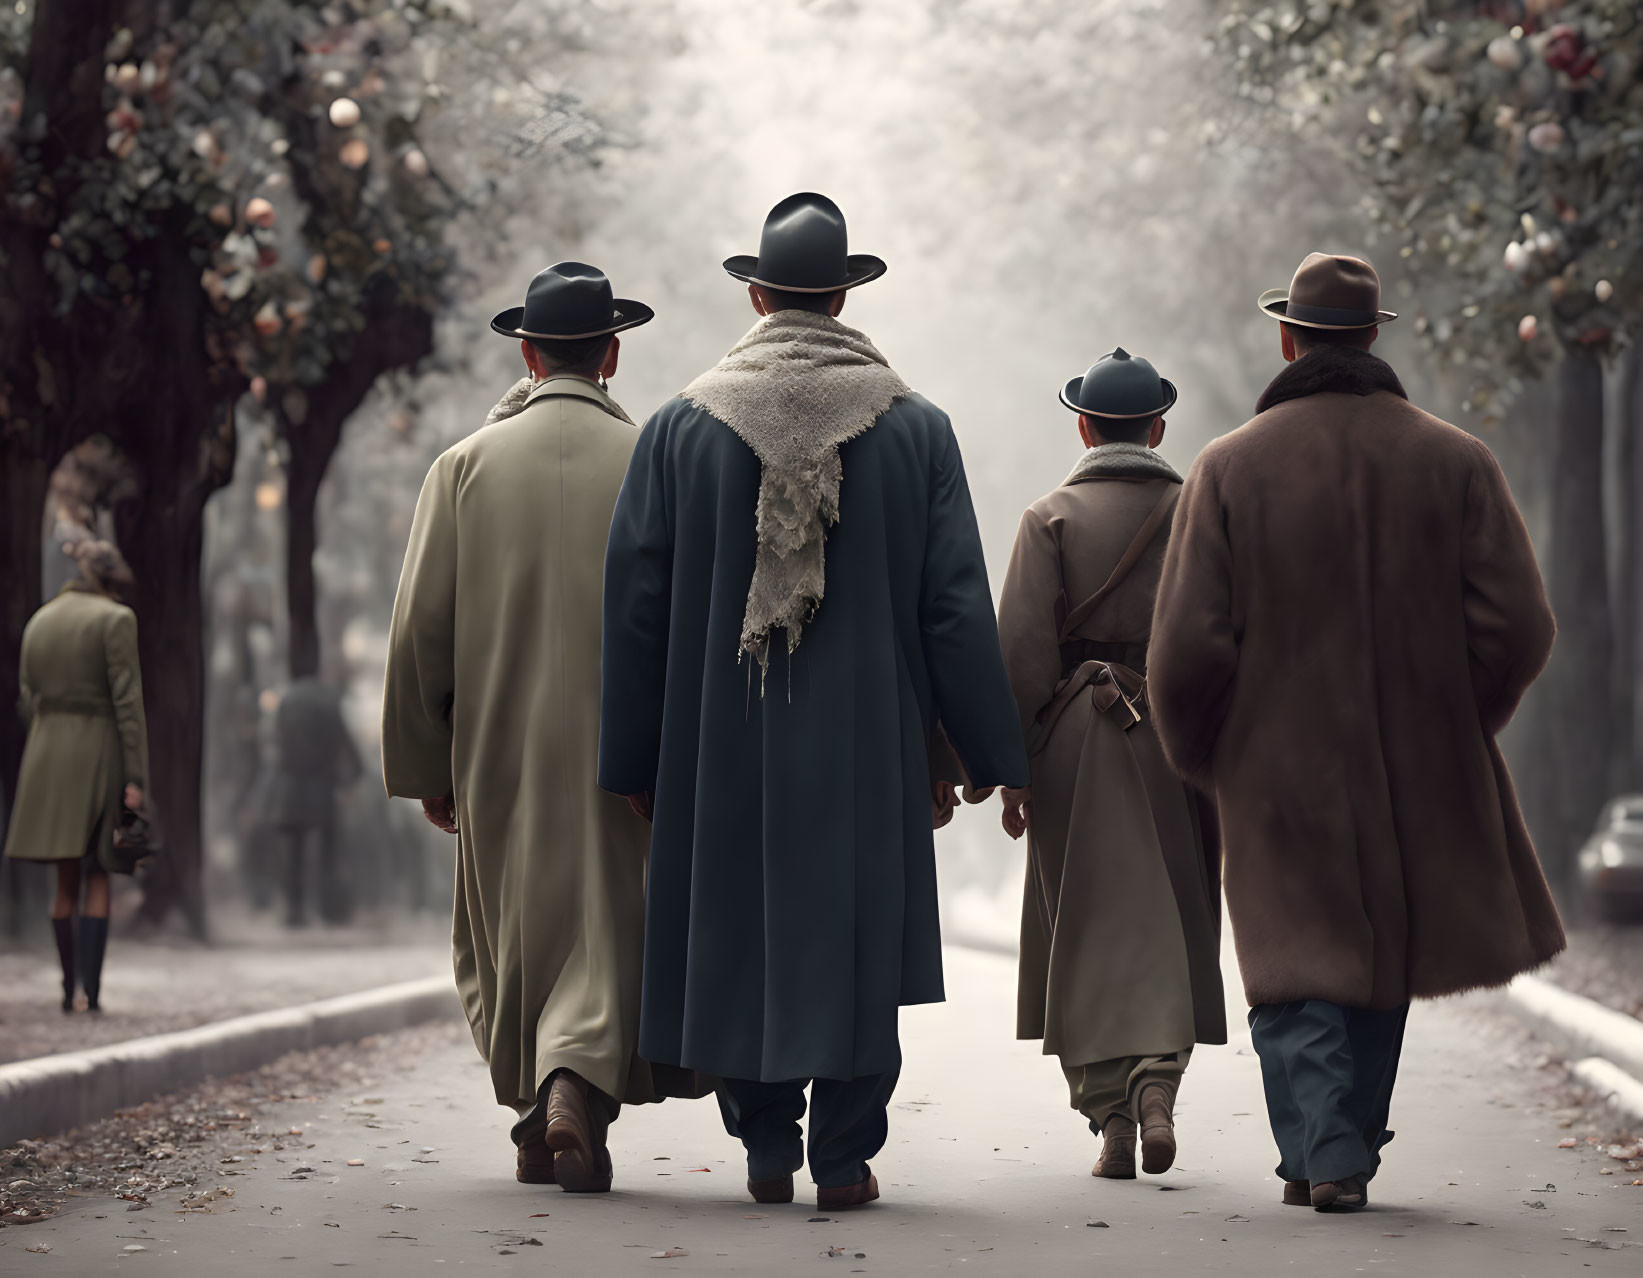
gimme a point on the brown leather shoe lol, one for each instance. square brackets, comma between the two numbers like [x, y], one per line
[1117, 1161]
[856, 1195]
[580, 1166]
[1297, 1193]
[1340, 1195]
[535, 1163]
[1154, 1108]
[778, 1190]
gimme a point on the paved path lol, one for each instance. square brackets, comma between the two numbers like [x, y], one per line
[986, 1172]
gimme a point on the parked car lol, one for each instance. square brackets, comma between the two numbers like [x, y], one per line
[1611, 862]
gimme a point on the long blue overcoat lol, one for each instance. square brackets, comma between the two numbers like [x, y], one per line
[792, 890]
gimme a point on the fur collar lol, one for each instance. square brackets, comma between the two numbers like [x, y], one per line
[793, 390]
[1121, 461]
[1342, 370]
[521, 393]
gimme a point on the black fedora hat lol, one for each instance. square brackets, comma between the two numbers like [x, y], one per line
[804, 249]
[1339, 293]
[570, 300]
[1120, 386]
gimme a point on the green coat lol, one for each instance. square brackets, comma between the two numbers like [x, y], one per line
[83, 700]
[492, 695]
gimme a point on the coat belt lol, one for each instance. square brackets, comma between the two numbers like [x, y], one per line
[94, 706]
[1118, 690]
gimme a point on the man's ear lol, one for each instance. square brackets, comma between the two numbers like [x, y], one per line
[533, 361]
[607, 370]
[1156, 435]
[1085, 431]
[837, 304]
[1286, 343]
[756, 296]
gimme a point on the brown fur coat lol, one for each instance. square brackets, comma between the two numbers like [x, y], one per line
[1350, 611]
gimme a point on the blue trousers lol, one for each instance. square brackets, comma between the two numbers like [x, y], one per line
[848, 1125]
[1328, 1072]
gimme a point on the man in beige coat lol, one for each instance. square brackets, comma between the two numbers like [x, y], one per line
[491, 717]
[1120, 922]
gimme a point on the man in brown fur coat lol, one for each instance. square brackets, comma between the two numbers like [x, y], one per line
[1349, 613]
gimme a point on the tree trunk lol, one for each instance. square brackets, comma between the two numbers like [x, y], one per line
[1623, 761]
[396, 335]
[1580, 688]
[164, 541]
[303, 478]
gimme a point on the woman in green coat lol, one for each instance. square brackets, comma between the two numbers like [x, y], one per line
[87, 752]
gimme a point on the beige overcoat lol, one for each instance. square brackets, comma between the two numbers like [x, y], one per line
[492, 694]
[83, 698]
[1120, 921]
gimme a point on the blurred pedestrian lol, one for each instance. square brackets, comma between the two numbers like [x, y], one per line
[1121, 919]
[1349, 613]
[491, 718]
[781, 740]
[86, 760]
[314, 757]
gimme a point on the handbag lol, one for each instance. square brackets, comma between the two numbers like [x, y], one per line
[134, 842]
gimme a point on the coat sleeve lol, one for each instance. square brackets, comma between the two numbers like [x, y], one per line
[1027, 627]
[125, 687]
[1509, 624]
[638, 606]
[25, 683]
[419, 685]
[960, 632]
[1192, 658]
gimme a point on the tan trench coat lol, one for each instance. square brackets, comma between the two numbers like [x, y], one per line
[88, 740]
[1120, 920]
[492, 694]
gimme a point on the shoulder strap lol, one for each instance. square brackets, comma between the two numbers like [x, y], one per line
[1156, 518]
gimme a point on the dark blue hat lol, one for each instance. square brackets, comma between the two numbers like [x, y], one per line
[804, 249]
[570, 300]
[1120, 386]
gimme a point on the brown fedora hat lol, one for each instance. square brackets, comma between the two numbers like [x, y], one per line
[1329, 292]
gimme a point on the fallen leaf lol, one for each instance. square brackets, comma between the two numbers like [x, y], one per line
[356, 1162]
[135, 1247]
[670, 1254]
[1237, 1220]
[699, 1169]
[1098, 1224]
[539, 1215]
[41, 1249]
[1568, 1142]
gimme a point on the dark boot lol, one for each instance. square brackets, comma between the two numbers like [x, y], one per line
[63, 930]
[581, 1161]
[1117, 1161]
[93, 943]
[777, 1190]
[847, 1196]
[1297, 1193]
[1154, 1108]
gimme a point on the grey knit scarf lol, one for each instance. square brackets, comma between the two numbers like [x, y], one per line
[793, 390]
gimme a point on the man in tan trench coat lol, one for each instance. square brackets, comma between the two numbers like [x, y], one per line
[1120, 924]
[491, 717]
[1349, 613]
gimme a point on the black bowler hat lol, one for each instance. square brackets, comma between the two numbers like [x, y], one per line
[567, 301]
[1120, 386]
[804, 249]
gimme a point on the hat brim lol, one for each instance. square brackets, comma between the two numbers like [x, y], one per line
[859, 268]
[1275, 303]
[625, 314]
[1073, 387]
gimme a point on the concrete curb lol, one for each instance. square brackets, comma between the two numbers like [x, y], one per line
[51, 1094]
[1615, 1085]
[1587, 1027]
[1608, 1044]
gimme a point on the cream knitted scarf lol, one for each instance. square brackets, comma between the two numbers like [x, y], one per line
[793, 390]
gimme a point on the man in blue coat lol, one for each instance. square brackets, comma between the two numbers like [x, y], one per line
[794, 594]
